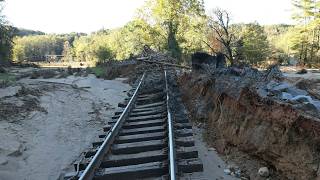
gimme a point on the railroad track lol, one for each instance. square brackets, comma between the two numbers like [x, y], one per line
[144, 141]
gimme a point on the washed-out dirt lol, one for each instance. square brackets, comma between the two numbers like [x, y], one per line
[243, 118]
[46, 124]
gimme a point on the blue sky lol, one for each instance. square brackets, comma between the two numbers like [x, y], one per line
[63, 16]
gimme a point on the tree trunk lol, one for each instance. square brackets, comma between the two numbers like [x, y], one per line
[173, 46]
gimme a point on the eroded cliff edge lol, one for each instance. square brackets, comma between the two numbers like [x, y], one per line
[263, 114]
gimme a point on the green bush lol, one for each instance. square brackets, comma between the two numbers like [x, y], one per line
[99, 71]
[6, 80]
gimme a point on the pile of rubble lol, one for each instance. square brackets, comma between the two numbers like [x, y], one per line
[152, 55]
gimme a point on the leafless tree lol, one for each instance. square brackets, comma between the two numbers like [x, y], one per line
[220, 24]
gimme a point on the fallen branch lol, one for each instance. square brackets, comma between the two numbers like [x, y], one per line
[145, 59]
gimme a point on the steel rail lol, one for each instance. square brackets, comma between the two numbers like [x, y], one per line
[172, 155]
[95, 163]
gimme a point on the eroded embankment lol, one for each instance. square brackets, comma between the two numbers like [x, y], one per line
[237, 116]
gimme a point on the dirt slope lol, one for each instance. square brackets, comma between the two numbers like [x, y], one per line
[241, 114]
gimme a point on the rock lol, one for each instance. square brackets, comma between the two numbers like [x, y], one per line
[237, 71]
[204, 61]
[2, 70]
[273, 72]
[281, 87]
[123, 104]
[3, 161]
[302, 71]
[272, 84]
[233, 167]
[302, 99]
[244, 178]
[286, 96]
[238, 173]
[227, 171]
[212, 149]
[308, 106]
[230, 167]
[295, 91]
[15, 150]
[263, 172]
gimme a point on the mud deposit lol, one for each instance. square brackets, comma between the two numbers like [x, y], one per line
[45, 124]
[240, 122]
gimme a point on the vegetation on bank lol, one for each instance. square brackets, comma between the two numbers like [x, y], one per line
[180, 28]
[6, 79]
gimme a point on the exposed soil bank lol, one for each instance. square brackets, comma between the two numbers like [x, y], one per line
[284, 136]
[45, 124]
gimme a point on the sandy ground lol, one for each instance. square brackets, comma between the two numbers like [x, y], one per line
[291, 71]
[308, 75]
[213, 165]
[39, 145]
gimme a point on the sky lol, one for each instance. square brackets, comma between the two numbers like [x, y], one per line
[64, 16]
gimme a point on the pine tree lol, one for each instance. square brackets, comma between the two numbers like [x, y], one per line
[306, 41]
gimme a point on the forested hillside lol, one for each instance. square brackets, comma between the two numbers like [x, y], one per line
[181, 28]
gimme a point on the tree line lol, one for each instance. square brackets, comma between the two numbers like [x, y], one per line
[6, 34]
[181, 27]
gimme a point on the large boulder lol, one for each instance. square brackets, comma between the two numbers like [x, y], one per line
[2, 69]
[201, 60]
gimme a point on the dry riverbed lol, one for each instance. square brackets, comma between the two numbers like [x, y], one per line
[45, 124]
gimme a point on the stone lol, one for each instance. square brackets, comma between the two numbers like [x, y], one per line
[281, 87]
[204, 61]
[233, 167]
[238, 173]
[272, 84]
[2, 70]
[302, 99]
[273, 72]
[3, 161]
[227, 171]
[306, 106]
[286, 96]
[302, 71]
[264, 172]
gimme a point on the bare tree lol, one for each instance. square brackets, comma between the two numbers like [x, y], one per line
[220, 24]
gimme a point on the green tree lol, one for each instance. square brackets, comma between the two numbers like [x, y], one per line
[305, 39]
[169, 15]
[67, 52]
[255, 43]
[6, 35]
[35, 47]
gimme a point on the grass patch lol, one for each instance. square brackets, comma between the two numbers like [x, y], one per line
[99, 71]
[6, 79]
